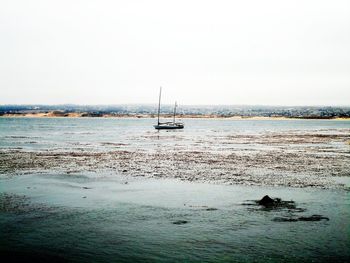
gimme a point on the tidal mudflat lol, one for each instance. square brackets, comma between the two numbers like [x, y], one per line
[116, 190]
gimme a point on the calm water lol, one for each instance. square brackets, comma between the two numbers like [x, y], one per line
[133, 222]
[85, 218]
[93, 133]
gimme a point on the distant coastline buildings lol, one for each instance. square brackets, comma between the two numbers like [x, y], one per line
[225, 111]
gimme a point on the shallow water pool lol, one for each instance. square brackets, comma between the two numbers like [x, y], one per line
[82, 218]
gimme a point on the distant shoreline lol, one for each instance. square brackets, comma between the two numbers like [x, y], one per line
[56, 114]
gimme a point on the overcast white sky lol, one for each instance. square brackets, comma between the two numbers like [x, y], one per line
[201, 52]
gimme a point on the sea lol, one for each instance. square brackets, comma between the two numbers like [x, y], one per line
[99, 216]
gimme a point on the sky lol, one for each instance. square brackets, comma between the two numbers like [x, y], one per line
[201, 52]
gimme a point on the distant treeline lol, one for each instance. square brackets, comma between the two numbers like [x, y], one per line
[220, 111]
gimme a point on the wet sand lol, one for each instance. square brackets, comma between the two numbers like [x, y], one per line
[104, 190]
[294, 158]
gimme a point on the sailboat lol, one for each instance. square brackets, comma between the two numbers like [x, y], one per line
[167, 125]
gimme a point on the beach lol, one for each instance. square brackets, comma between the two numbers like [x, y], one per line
[175, 131]
[254, 152]
[118, 189]
[77, 114]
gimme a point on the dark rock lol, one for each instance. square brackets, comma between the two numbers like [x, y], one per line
[211, 209]
[180, 222]
[85, 187]
[313, 218]
[302, 218]
[276, 203]
[267, 201]
[285, 219]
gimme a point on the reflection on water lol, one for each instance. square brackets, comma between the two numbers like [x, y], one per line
[102, 220]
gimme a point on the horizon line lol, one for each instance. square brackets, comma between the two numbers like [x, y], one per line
[167, 104]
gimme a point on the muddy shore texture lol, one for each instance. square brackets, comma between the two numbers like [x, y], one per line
[295, 159]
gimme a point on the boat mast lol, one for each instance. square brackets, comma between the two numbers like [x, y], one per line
[160, 94]
[174, 111]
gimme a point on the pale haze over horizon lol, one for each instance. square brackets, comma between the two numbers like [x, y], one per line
[200, 52]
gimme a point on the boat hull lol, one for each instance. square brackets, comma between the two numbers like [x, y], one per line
[168, 126]
[171, 125]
